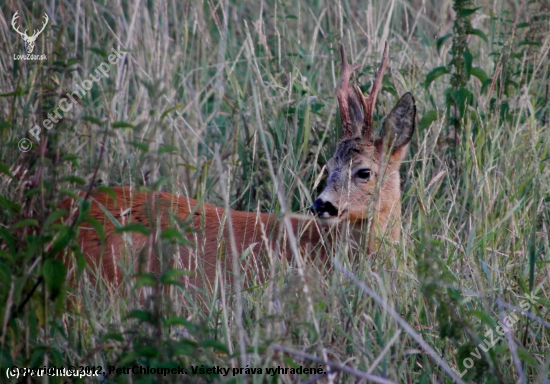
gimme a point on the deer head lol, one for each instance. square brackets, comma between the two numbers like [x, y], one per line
[363, 174]
[29, 40]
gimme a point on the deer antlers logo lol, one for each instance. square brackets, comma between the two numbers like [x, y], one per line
[29, 40]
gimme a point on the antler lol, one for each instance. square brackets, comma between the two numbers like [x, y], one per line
[370, 102]
[349, 95]
[15, 17]
[342, 93]
[35, 34]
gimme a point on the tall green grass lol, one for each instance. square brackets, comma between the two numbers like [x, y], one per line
[211, 100]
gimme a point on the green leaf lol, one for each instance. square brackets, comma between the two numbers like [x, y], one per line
[69, 193]
[82, 210]
[527, 357]
[122, 124]
[165, 113]
[81, 263]
[146, 280]
[140, 315]
[8, 239]
[468, 58]
[5, 274]
[100, 52]
[188, 166]
[175, 273]
[5, 170]
[434, 74]
[54, 276]
[181, 321]
[480, 33]
[462, 98]
[70, 157]
[172, 235]
[25, 223]
[528, 42]
[8, 94]
[108, 191]
[9, 205]
[479, 73]
[516, 85]
[113, 336]
[140, 145]
[428, 118]
[486, 84]
[72, 62]
[134, 227]
[65, 236]
[215, 345]
[468, 12]
[54, 217]
[93, 120]
[73, 179]
[171, 276]
[146, 353]
[483, 317]
[442, 40]
[292, 54]
[167, 149]
[160, 182]
[37, 357]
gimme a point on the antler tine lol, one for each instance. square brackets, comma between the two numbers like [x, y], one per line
[370, 102]
[342, 93]
[16, 28]
[43, 25]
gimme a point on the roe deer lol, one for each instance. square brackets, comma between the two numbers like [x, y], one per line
[363, 176]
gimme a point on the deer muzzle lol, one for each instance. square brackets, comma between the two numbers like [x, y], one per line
[324, 209]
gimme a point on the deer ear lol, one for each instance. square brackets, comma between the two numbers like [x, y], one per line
[399, 126]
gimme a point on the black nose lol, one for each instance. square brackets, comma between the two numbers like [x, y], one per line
[321, 207]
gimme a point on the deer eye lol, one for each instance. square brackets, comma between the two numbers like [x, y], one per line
[363, 174]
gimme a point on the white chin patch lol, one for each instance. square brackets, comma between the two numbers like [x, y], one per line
[330, 220]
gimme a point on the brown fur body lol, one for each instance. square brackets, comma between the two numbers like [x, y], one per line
[208, 237]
